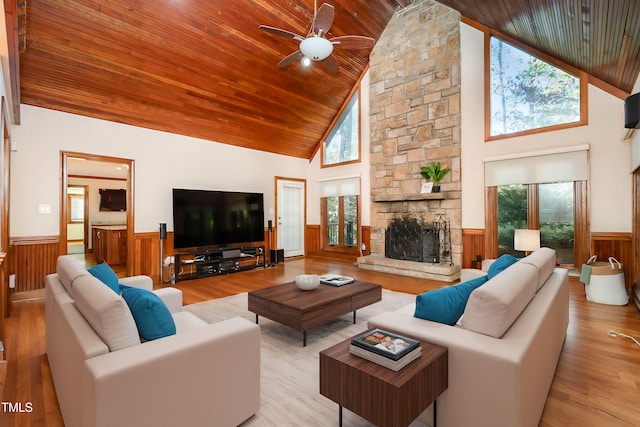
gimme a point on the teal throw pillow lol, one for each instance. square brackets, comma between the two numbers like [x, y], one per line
[446, 305]
[106, 275]
[499, 265]
[152, 316]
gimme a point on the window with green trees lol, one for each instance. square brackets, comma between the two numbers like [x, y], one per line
[340, 214]
[343, 142]
[554, 215]
[527, 93]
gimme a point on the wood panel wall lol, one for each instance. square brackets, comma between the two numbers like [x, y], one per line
[619, 246]
[31, 259]
[313, 247]
[473, 246]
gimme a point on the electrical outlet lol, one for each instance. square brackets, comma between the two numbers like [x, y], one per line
[12, 281]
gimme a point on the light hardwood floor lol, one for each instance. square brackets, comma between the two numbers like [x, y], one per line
[597, 382]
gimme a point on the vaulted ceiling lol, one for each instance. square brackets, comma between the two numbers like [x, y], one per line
[203, 68]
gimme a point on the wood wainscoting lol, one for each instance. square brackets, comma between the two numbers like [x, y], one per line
[31, 259]
[619, 246]
[313, 247]
[472, 247]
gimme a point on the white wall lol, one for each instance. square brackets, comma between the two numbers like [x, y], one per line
[610, 179]
[162, 161]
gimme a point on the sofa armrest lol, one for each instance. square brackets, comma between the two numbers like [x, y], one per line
[172, 297]
[210, 374]
[144, 282]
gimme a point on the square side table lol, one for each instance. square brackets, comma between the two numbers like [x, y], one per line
[380, 395]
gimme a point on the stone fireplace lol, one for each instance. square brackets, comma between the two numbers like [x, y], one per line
[415, 119]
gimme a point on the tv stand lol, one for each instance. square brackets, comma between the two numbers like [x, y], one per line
[212, 262]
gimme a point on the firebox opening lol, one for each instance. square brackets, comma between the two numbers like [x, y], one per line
[411, 240]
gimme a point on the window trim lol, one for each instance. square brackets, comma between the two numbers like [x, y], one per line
[581, 219]
[336, 120]
[324, 224]
[584, 80]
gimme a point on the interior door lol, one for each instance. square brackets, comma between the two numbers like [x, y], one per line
[290, 216]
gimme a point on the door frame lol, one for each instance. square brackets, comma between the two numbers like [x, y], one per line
[277, 179]
[64, 208]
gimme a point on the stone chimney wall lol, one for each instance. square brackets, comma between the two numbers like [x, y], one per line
[415, 118]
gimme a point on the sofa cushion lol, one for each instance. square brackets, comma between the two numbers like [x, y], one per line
[493, 307]
[501, 264]
[544, 259]
[152, 316]
[69, 269]
[446, 305]
[106, 275]
[106, 312]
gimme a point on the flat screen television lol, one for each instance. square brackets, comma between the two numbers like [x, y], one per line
[204, 218]
[113, 199]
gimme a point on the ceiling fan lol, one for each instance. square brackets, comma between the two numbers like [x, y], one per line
[315, 46]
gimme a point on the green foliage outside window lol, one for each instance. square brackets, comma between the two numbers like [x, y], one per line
[512, 215]
[555, 215]
[343, 143]
[529, 93]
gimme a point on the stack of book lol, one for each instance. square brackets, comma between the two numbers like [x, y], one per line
[384, 348]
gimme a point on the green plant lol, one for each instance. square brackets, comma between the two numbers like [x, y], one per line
[434, 172]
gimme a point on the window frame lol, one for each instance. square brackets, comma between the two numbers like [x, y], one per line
[338, 119]
[584, 113]
[581, 218]
[324, 227]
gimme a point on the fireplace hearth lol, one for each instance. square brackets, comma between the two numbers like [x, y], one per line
[411, 240]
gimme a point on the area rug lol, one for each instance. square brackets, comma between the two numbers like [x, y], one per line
[289, 394]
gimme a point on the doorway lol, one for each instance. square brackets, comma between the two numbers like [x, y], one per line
[111, 172]
[291, 214]
[78, 219]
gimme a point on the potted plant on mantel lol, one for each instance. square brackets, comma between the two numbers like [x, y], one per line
[434, 172]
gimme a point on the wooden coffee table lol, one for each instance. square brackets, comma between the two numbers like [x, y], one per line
[303, 310]
[378, 394]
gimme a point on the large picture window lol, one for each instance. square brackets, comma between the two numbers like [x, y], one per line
[342, 144]
[528, 94]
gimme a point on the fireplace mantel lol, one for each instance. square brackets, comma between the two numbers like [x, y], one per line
[407, 197]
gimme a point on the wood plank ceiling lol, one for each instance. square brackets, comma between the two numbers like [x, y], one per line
[202, 68]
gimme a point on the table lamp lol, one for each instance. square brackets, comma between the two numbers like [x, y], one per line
[526, 240]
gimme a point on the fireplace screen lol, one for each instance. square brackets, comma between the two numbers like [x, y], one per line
[409, 239]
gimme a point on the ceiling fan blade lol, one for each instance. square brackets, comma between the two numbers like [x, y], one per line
[281, 33]
[323, 19]
[353, 42]
[331, 63]
[295, 56]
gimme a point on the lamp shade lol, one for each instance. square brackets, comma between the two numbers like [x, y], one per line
[316, 48]
[526, 240]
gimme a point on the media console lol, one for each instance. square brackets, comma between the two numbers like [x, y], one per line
[203, 263]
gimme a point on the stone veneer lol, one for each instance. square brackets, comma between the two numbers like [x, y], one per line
[415, 119]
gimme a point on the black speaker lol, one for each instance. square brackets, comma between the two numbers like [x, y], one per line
[163, 231]
[276, 256]
[270, 225]
[632, 111]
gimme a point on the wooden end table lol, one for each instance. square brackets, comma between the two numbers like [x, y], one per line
[303, 310]
[380, 395]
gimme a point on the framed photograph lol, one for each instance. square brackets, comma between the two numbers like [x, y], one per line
[391, 346]
[426, 187]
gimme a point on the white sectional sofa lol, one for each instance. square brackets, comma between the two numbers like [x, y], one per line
[504, 351]
[104, 375]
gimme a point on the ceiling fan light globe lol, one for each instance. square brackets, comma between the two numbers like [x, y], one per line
[305, 62]
[316, 48]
